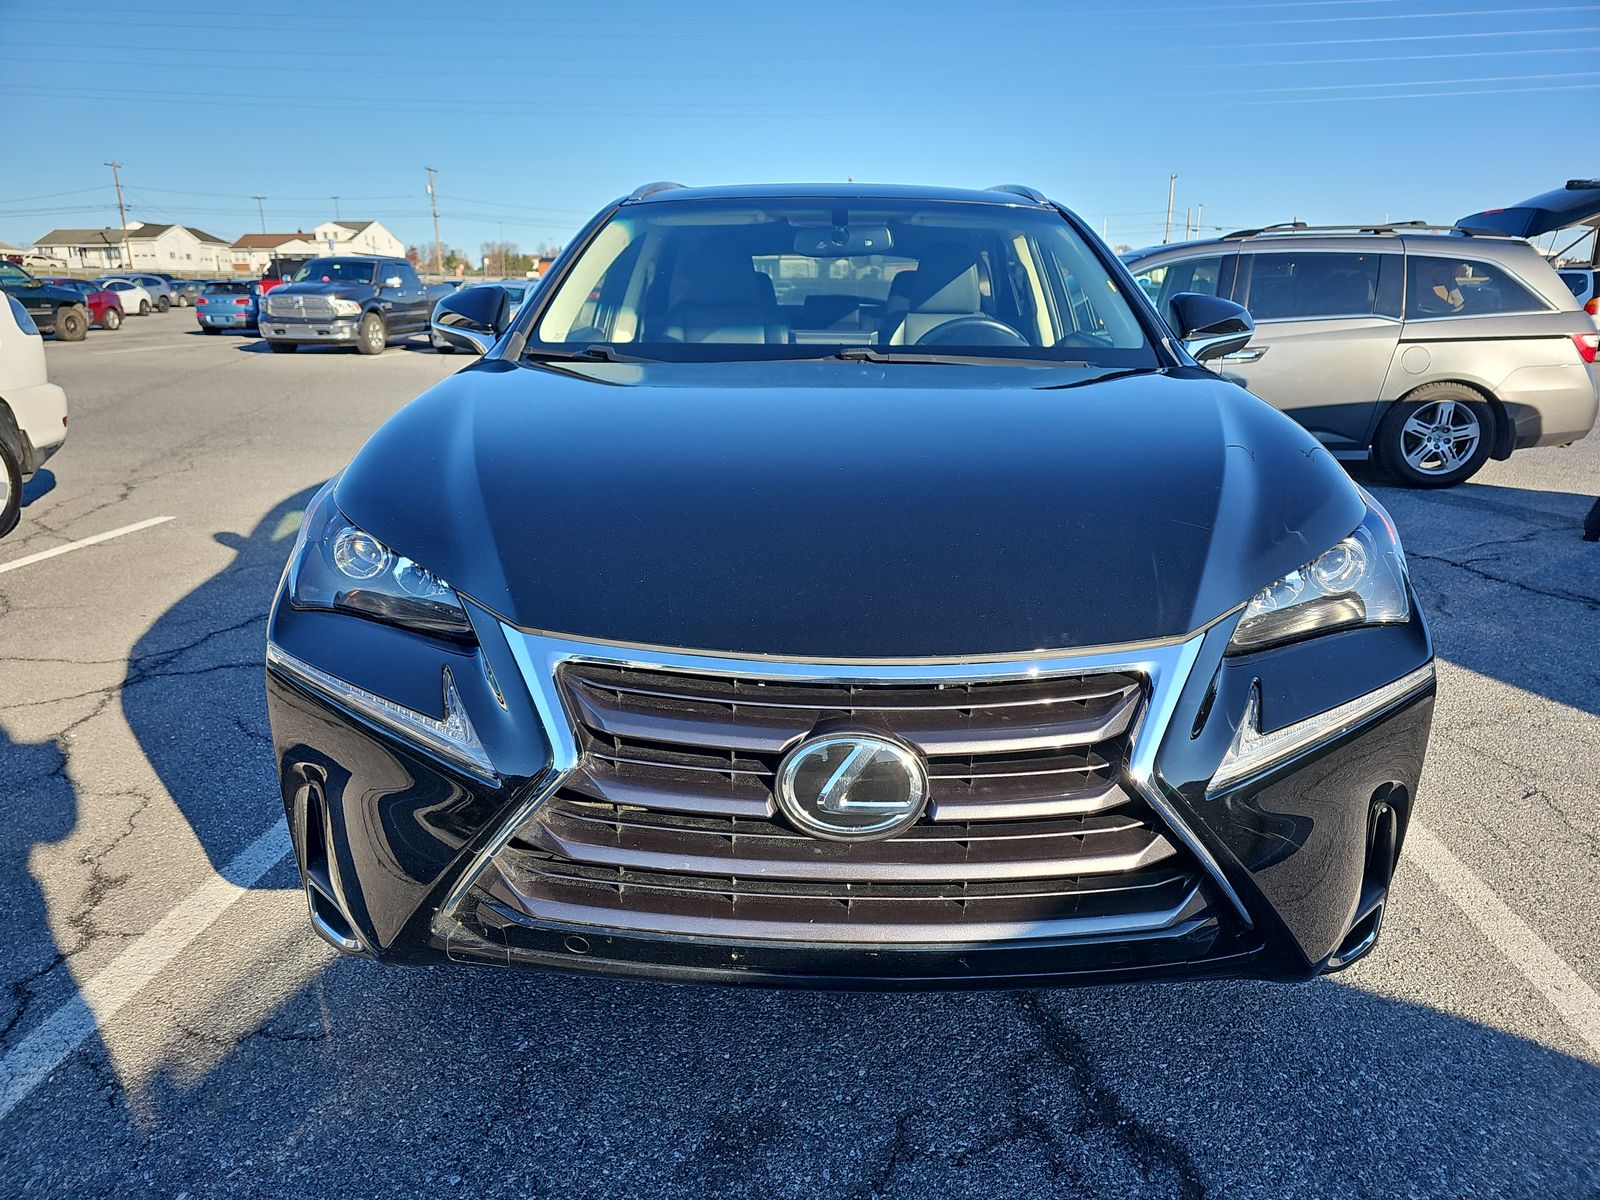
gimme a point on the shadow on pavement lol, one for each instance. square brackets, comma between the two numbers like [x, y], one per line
[1511, 588]
[42, 484]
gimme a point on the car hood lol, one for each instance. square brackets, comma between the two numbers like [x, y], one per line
[343, 290]
[837, 511]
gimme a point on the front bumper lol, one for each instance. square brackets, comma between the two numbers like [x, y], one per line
[397, 841]
[41, 416]
[335, 329]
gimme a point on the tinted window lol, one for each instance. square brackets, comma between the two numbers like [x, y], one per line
[697, 279]
[11, 274]
[1452, 287]
[1307, 284]
[1577, 282]
[1161, 283]
[334, 270]
[229, 289]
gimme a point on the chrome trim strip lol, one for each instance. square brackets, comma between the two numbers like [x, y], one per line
[1165, 664]
[1252, 753]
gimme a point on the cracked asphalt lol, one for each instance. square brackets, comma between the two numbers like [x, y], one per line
[134, 764]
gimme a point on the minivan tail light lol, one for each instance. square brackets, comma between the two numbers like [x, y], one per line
[1587, 344]
[242, 301]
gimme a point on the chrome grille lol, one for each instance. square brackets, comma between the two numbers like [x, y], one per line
[314, 308]
[668, 822]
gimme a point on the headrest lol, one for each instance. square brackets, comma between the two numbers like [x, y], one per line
[947, 280]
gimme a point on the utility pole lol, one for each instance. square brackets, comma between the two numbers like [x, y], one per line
[335, 207]
[1188, 223]
[1172, 187]
[1199, 218]
[433, 201]
[122, 212]
[261, 212]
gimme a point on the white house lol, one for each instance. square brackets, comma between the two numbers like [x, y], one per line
[357, 237]
[141, 247]
[251, 254]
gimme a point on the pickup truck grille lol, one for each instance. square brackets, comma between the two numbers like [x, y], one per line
[311, 308]
[668, 824]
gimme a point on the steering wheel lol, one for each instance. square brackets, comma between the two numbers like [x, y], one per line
[972, 331]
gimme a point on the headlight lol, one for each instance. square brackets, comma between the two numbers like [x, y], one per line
[340, 567]
[1360, 581]
[345, 308]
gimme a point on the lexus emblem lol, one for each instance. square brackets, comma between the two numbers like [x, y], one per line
[845, 786]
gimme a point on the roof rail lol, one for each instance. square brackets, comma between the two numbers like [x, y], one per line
[1020, 189]
[1380, 227]
[646, 190]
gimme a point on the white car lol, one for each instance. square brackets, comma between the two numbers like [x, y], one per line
[33, 411]
[136, 300]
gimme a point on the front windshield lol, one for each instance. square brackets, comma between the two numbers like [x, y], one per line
[334, 270]
[13, 274]
[717, 280]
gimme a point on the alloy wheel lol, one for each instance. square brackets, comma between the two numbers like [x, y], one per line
[1440, 436]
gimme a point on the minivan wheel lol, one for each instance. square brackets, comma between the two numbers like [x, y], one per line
[1436, 437]
[10, 490]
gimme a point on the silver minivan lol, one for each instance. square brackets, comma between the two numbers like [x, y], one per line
[1430, 351]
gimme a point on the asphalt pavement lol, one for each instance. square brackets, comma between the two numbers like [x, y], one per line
[170, 1027]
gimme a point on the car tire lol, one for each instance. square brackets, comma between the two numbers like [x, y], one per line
[162, 304]
[144, 308]
[112, 319]
[282, 347]
[10, 489]
[72, 323]
[371, 335]
[1436, 437]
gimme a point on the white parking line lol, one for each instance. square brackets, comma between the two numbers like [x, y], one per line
[29, 559]
[1575, 1001]
[30, 1062]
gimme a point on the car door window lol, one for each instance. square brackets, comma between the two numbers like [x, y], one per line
[1457, 287]
[1206, 276]
[1312, 284]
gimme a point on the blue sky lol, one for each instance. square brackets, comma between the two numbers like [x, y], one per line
[1325, 110]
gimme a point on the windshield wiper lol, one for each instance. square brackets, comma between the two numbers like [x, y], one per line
[595, 353]
[873, 355]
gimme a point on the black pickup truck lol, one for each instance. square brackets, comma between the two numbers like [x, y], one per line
[359, 301]
[53, 309]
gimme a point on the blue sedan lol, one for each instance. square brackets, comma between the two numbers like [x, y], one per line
[227, 304]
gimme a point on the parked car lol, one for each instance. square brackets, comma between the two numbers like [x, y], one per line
[105, 307]
[227, 304]
[136, 301]
[516, 291]
[1429, 351]
[56, 310]
[1584, 284]
[361, 301]
[962, 632]
[158, 287]
[33, 411]
[186, 291]
[279, 272]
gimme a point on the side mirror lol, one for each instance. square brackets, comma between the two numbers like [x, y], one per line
[392, 282]
[473, 318]
[1210, 326]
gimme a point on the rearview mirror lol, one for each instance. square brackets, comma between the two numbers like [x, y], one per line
[1209, 326]
[473, 318]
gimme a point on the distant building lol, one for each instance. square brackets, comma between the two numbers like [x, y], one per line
[177, 249]
[251, 254]
[357, 237]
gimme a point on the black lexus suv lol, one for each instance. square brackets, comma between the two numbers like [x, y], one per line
[847, 586]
